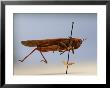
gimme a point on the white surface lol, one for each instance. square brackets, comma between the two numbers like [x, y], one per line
[75, 69]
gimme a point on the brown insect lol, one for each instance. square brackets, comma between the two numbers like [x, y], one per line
[58, 44]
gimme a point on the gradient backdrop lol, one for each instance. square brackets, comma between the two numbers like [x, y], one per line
[43, 26]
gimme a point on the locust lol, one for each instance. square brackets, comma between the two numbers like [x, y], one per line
[62, 45]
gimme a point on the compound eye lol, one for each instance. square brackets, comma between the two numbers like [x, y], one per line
[80, 41]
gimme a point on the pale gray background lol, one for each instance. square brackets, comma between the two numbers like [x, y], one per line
[44, 26]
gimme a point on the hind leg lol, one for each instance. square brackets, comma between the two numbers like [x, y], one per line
[28, 55]
[44, 60]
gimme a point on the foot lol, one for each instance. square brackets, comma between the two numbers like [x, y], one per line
[20, 60]
[45, 61]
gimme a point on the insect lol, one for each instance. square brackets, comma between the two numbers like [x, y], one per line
[59, 44]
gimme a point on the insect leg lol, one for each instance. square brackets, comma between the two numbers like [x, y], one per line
[63, 45]
[43, 57]
[28, 55]
[62, 52]
[72, 50]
